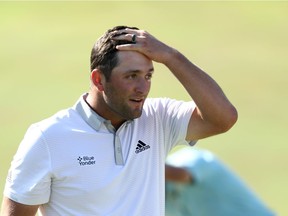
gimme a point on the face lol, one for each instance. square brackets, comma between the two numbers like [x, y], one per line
[128, 87]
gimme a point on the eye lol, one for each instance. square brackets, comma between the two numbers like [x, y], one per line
[148, 76]
[131, 76]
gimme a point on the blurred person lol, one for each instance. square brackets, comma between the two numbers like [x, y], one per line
[198, 183]
[106, 154]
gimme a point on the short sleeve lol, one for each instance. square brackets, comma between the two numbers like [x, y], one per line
[175, 116]
[29, 177]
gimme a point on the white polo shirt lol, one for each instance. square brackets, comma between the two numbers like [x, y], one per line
[73, 163]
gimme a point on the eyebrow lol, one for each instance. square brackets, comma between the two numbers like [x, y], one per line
[151, 70]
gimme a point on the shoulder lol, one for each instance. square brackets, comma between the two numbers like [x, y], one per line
[58, 118]
[168, 105]
[158, 103]
[63, 120]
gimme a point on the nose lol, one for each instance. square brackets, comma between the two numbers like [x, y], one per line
[143, 86]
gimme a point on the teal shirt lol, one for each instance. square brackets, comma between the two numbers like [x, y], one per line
[216, 190]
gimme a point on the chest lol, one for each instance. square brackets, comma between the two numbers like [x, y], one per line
[85, 168]
[91, 157]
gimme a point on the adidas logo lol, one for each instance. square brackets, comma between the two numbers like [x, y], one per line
[141, 146]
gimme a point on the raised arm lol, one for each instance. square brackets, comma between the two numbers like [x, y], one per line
[214, 113]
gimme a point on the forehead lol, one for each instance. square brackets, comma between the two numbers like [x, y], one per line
[133, 61]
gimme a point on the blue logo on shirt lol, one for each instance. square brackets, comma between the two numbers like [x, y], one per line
[86, 160]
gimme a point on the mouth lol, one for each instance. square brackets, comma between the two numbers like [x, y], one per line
[137, 100]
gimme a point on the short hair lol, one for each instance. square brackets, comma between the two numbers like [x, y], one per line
[104, 53]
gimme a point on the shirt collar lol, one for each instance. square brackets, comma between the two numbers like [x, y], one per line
[89, 115]
[93, 119]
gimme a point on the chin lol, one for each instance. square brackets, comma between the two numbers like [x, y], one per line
[136, 115]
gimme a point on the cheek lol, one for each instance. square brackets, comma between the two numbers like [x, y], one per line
[116, 90]
[122, 87]
[119, 86]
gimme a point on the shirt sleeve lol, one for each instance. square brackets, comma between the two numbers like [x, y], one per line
[175, 116]
[29, 177]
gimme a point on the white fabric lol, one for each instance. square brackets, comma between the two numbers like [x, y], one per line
[68, 167]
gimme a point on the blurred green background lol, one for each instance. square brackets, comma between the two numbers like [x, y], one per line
[44, 54]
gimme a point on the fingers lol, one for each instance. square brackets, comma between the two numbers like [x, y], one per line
[127, 37]
[129, 32]
[133, 39]
[135, 44]
[142, 42]
[132, 35]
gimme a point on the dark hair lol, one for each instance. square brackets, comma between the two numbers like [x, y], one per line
[104, 52]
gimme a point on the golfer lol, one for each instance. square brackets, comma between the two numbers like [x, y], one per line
[106, 154]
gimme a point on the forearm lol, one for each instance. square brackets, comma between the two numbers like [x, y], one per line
[211, 101]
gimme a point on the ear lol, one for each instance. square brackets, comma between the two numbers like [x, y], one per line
[97, 79]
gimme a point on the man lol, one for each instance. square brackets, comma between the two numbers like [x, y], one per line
[106, 155]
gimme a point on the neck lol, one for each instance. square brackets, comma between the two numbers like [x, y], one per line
[96, 102]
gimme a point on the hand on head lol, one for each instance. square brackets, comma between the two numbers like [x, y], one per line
[143, 42]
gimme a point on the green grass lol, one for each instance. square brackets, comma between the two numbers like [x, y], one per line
[45, 49]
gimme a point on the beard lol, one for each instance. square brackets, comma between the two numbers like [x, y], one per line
[121, 105]
[122, 109]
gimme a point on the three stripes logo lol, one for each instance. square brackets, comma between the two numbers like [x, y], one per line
[141, 146]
